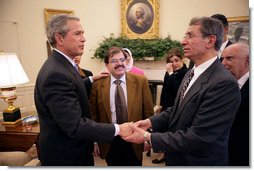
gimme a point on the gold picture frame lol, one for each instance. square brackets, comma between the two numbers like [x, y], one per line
[48, 13]
[239, 29]
[140, 19]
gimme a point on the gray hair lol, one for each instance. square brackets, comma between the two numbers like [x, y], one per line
[58, 24]
[210, 26]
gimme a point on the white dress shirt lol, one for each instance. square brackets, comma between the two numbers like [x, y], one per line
[224, 44]
[199, 70]
[243, 79]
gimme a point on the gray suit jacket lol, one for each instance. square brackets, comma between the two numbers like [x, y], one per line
[196, 132]
[66, 132]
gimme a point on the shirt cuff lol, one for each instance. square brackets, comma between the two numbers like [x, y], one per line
[117, 129]
[91, 79]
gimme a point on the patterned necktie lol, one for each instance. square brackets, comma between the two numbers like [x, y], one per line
[185, 85]
[120, 103]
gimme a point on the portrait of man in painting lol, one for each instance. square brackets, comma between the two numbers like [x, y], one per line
[140, 16]
[239, 30]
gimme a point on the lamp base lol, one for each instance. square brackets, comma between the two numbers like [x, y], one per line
[11, 117]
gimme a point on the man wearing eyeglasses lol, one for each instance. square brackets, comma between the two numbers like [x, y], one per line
[198, 125]
[104, 107]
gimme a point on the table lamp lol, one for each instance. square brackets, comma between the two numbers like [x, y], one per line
[11, 74]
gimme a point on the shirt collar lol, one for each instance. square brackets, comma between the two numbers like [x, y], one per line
[67, 57]
[224, 44]
[123, 79]
[243, 79]
[201, 68]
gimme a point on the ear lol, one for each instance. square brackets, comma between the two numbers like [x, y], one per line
[106, 66]
[211, 42]
[225, 30]
[59, 39]
[247, 61]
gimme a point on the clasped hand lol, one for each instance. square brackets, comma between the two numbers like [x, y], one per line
[134, 132]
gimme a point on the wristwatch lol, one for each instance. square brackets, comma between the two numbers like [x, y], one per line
[145, 137]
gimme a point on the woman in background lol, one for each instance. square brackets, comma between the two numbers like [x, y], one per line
[129, 63]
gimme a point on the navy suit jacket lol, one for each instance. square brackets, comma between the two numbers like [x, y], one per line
[66, 132]
[197, 131]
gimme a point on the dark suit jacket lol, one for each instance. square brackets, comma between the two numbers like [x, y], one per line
[170, 87]
[238, 145]
[66, 132]
[139, 100]
[198, 130]
[85, 76]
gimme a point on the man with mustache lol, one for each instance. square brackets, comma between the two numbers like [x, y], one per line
[104, 107]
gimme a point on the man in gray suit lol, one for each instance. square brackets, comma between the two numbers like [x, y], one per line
[195, 131]
[66, 131]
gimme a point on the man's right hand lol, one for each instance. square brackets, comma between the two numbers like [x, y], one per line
[101, 75]
[125, 129]
[144, 124]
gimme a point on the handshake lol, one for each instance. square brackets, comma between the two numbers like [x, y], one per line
[132, 132]
[135, 132]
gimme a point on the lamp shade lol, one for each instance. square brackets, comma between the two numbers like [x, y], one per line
[11, 71]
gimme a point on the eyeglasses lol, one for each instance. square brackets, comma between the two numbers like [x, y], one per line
[190, 36]
[114, 61]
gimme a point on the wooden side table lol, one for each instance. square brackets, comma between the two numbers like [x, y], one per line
[18, 137]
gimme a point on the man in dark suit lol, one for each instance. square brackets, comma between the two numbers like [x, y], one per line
[102, 105]
[66, 132]
[195, 130]
[236, 60]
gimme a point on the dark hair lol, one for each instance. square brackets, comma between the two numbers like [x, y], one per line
[210, 26]
[174, 52]
[112, 51]
[222, 18]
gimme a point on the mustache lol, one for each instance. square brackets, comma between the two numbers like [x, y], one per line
[118, 66]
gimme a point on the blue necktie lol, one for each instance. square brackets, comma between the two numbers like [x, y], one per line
[76, 67]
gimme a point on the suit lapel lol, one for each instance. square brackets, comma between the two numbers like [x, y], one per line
[194, 89]
[64, 61]
[131, 91]
[105, 93]
[78, 79]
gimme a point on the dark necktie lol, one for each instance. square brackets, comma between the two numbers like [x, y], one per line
[120, 103]
[185, 85]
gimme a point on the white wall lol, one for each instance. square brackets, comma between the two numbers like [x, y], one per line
[100, 18]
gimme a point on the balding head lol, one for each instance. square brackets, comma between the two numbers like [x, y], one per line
[236, 59]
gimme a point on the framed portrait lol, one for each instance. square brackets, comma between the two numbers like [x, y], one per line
[140, 18]
[239, 29]
[48, 13]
